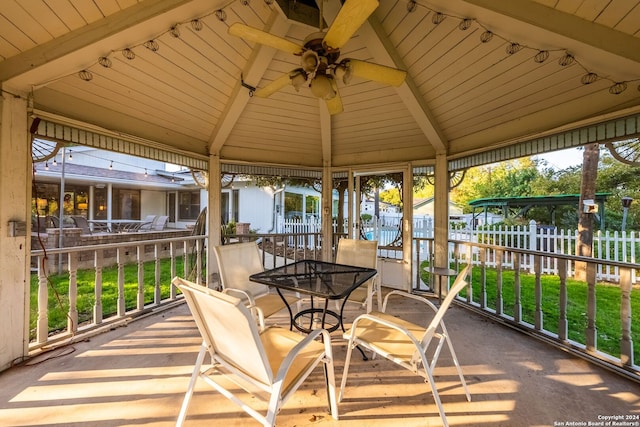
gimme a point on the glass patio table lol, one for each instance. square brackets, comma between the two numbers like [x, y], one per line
[324, 280]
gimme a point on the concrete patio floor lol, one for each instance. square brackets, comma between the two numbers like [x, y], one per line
[136, 375]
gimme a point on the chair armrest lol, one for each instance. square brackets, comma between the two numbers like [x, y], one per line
[408, 295]
[384, 322]
[286, 363]
[243, 295]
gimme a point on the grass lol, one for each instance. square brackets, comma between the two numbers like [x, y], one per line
[59, 301]
[608, 297]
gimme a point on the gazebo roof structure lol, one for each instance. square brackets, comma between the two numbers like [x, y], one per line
[486, 80]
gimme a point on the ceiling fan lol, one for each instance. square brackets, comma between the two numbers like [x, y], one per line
[320, 67]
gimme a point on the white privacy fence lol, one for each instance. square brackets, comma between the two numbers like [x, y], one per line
[608, 245]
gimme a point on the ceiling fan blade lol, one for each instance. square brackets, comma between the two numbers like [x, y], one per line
[351, 16]
[334, 105]
[377, 73]
[258, 36]
[274, 86]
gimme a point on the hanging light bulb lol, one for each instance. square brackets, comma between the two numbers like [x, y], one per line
[145, 172]
[46, 166]
[55, 162]
[111, 165]
[70, 156]
[173, 178]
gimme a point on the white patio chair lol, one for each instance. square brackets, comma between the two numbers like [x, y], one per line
[238, 261]
[148, 223]
[405, 343]
[160, 223]
[273, 360]
[361, 253]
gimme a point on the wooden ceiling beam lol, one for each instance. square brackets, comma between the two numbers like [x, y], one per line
[255, 68]
[66, 53]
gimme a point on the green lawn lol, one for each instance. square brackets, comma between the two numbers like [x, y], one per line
[608, 299]
[59, 301]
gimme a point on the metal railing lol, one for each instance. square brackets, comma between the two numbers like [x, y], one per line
[551, 305]
[492, 264]
[189, 249]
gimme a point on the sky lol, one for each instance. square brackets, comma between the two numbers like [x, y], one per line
[563, 159]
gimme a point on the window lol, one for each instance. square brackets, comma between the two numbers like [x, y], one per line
[126, 204]
[189, 206]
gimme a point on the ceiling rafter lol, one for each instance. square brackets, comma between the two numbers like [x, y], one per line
[62, 55]
[384, 52]
[254, 70]
[572, 27]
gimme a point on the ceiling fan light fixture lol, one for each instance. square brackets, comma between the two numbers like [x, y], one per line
[310, 61]
[321, 87]
[343, 72]
[298, 79]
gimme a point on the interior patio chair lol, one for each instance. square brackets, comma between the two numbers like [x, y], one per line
[81, 222]
[361, 253]
[148, 223]
[273, 360]
[161, 223]
[238, 261]
[414, 347]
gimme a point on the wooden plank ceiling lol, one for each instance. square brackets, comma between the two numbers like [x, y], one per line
[481, 74]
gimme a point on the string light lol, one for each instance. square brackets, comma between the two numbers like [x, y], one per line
[70, 155]
[86, 75]
[618, 88]
[152, 45]
[589, 78]
[105, 62]
[145, 173]
[196, 24]
[55, 162]
[541, 56]
[111, 165]
[128, 53]
[486, 36]
[512, 47]
[465, 24]
[46, 166]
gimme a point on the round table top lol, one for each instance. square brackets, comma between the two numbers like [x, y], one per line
[441, 271]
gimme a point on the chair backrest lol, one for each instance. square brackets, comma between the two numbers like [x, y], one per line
[238, 261]
[361, 253]
[55, 221]
[161, 222]
[458, 285]
[229, 329]
[149, 222]
[81, 222]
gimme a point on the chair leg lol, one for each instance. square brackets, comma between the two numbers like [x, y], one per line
[345, 372]
[192, 384]
[458, 368]
[436, 396]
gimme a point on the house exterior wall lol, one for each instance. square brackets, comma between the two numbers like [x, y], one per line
[255, 207]
[153, 203]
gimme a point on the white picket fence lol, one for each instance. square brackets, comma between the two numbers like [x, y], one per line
[607, 245]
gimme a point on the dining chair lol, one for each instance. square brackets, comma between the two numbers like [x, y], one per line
[238, 261]
[412, 346]
[361, 253]
[274, 360]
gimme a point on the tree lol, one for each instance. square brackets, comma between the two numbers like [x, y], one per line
[584, 241]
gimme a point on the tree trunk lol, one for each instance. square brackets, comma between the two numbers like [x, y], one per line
[584, 242]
